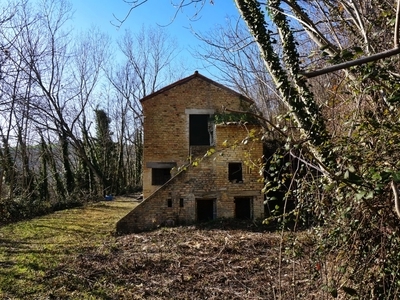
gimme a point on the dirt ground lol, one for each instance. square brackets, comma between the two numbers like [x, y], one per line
[217, 261]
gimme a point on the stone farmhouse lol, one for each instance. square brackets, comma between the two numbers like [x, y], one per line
[196, 168]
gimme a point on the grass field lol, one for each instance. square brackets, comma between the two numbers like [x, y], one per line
[29, 250]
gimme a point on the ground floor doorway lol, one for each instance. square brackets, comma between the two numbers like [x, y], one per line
[244, 208]
[205, 209]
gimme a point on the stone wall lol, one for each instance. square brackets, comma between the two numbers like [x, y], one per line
[208, 180]
[166, 129]
[236, 146]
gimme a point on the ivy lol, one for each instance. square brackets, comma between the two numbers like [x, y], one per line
[234, 118]
[292, 85]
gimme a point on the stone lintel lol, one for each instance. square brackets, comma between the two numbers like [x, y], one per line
[160, 165]
[195, 111]
[244, 193]
[207, 195]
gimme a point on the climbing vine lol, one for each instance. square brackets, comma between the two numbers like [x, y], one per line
[289, 82]
[341, 182]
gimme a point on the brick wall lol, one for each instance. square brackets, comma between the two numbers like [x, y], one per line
[209, 180]
[166, 141]
[166, 129]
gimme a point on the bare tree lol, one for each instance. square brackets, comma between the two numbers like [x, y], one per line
[149, 54]
[91, 54]
[61, 78]
[148, 64]
[231, 50]
[15, 95]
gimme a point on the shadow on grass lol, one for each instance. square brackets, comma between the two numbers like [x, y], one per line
[31, 249]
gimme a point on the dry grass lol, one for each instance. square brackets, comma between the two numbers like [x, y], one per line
[74, 255]
[186, 263]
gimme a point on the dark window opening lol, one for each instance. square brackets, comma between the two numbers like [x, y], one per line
[181, 202]
[243, 208]
[205, 210]
[169, 202]
[200, 132]
[235, 172]
[160, 176]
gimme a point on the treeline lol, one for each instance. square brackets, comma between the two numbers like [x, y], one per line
[71, 121]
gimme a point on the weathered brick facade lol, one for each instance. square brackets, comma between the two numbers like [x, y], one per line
[177, 129]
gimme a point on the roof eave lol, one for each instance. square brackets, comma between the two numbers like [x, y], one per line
[187, 79]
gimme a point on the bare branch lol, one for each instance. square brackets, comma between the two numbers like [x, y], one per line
[178, 6]
[134, 4]
[396, 27]
[353, 63]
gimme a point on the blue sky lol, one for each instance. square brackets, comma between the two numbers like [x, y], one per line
[155, 12]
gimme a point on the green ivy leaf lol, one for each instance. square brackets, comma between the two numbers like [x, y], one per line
[358, 50]
[360, 195]
[350, 291]
[370, 195]
[334, 293]
[329, 187]
[376, 176]
[396, 177]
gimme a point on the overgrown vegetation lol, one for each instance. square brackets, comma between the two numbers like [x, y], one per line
[190, 263]
[340, 129]
[235, 117]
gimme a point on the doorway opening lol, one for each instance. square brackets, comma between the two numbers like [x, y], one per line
[205, 209]
[243, 208]
[200, 130]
